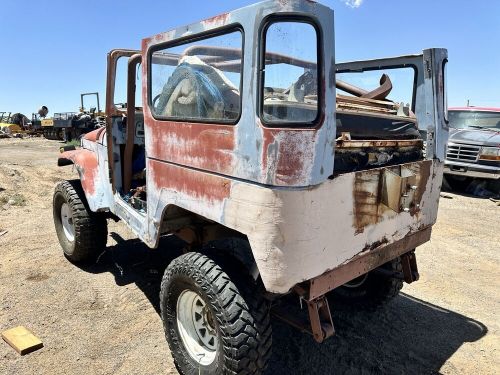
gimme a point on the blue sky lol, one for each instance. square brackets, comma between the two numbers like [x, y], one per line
[54, 50]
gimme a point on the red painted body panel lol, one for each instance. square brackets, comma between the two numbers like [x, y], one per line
[95, 135]
[202, 146]
[87, 165]
[205, 187]
[296, 148]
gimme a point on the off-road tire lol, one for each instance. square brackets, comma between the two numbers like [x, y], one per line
[90, 229]
[376, 289]
[241, 316]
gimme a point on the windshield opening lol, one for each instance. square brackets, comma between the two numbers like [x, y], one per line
[474, 119]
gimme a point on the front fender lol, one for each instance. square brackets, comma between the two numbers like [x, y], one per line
[87, 165]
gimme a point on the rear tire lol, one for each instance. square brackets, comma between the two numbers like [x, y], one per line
[236, 316]
[373, 290]
[82, 233]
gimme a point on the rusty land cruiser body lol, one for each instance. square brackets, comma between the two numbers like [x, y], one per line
[281, 178]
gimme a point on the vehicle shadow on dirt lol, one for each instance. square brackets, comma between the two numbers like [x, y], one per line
[406, 336]
[471, 188]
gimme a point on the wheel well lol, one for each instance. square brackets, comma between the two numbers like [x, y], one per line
[209, 237]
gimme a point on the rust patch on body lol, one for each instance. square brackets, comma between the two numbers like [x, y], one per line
[368, 209]
[219, 20]
[207, 147]
[203, 187]
[376, 244]
[284, 153]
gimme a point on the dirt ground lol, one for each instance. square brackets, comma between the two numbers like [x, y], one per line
[104, 319]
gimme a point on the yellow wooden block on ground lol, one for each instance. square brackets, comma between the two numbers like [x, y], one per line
[22, 340]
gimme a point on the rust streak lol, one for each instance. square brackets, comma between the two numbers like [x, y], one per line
[221, 19]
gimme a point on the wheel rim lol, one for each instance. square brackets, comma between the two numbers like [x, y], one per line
[67, 222]
[196, 326]
[357, 282]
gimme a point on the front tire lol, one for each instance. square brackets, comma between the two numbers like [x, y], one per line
[82, 233]
[213, 325]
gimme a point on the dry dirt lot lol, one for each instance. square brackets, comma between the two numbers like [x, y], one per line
[104, 319]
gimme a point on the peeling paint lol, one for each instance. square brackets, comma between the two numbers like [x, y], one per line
[86, 163]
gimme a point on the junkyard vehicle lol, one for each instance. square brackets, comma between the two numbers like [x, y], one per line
[37, 118]
[19, 123]
[282, 178]
[66, 126]
[13, 122]
[474, 143]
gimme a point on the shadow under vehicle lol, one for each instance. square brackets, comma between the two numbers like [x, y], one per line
[406, 336]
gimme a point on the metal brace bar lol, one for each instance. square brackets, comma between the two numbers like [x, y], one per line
[320, 324]
[410, 270]
[321, 319]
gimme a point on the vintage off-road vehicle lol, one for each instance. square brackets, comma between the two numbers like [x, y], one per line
[282, 179]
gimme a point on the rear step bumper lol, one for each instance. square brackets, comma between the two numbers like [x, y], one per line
[313, 292]
[361, 264]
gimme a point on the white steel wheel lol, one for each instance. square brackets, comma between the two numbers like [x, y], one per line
[357, 282]
[197, 327]
[213, 325]
[67, 222]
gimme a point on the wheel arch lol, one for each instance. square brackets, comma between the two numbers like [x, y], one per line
[208, 236]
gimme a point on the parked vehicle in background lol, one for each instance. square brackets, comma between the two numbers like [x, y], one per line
[474, 145]
[66, 126]
[284, 181]
[18, 123]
